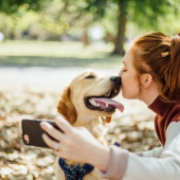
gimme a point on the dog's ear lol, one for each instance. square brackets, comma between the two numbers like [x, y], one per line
[107, 119]
[66, 108]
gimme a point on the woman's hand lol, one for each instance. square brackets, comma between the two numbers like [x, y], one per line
[76, 143]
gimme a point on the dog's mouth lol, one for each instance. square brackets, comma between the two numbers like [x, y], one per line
[104, 102]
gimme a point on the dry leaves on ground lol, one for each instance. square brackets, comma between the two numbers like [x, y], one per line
[19, 162]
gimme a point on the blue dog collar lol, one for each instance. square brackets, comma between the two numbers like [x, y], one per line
[76, 172]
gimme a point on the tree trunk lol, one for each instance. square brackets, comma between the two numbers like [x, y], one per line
[122, 20]
[85, 37]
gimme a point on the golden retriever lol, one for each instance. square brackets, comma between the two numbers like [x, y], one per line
[87, 102]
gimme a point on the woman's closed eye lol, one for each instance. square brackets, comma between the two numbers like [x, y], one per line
[124, 70]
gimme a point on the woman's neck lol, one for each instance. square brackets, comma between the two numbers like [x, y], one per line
[150, 99]
[149, 95]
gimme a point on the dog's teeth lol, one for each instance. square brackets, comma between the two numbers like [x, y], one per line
[94, 103]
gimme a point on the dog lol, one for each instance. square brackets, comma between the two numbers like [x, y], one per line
[87, 102]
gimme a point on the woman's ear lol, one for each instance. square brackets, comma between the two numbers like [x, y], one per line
[66, 108]
[146, 80]
[107, 119]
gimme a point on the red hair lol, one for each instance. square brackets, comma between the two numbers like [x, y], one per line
[161, 54]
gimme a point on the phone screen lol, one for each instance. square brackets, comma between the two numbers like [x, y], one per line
[32, 132]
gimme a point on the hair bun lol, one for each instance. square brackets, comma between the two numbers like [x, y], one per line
[175, 65]
[175, 46]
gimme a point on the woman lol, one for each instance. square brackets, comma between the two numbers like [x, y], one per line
[152, 70]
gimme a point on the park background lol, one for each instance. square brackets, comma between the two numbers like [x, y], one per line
[44, 44]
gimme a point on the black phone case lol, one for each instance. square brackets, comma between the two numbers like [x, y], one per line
[34, 131]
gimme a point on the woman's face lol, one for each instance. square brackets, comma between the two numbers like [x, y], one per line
[128, 74]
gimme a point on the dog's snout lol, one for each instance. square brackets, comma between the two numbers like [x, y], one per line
[116, 79]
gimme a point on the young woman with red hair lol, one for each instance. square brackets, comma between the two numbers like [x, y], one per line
[151, 73]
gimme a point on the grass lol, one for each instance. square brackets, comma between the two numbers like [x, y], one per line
[65, 54]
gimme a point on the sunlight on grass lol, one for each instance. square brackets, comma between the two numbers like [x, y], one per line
[64, 54]
[54, 49]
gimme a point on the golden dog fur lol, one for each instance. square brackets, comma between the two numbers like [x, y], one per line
[72, 107]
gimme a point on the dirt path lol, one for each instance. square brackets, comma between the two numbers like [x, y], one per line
[40, 78]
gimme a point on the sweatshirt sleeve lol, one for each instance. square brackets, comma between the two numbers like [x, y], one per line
[155, 152]
[129, 166]
[117, 165]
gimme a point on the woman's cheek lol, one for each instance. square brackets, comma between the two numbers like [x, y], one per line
[126, 89]
[123, 82]
[126, 94]
[123, 93]
[123, 89]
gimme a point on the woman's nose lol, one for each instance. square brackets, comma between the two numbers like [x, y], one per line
[120, 73]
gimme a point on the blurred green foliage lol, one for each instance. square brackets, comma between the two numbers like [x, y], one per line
[12, 6]
[52, 20]
[161, 15]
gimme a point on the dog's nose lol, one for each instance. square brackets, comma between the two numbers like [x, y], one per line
[116, 79]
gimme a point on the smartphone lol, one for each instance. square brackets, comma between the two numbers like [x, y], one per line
[32, 132]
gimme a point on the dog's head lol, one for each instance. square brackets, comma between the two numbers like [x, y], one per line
[89, 94]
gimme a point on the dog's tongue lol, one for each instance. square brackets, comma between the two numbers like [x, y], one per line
[110, 102]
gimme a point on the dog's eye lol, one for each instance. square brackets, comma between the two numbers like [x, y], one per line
[90, 77]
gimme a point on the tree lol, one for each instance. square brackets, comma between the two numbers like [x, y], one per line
[144, 13]
[122, 21]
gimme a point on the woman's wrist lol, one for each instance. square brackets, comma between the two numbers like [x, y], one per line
[101, 158]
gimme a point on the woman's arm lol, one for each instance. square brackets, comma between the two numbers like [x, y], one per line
[155, 152]
[166, 167]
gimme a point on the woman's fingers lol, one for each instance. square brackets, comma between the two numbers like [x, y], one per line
[53, 132]
[52, 144]
[63, 125]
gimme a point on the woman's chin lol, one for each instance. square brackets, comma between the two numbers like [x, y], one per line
[127, 96]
